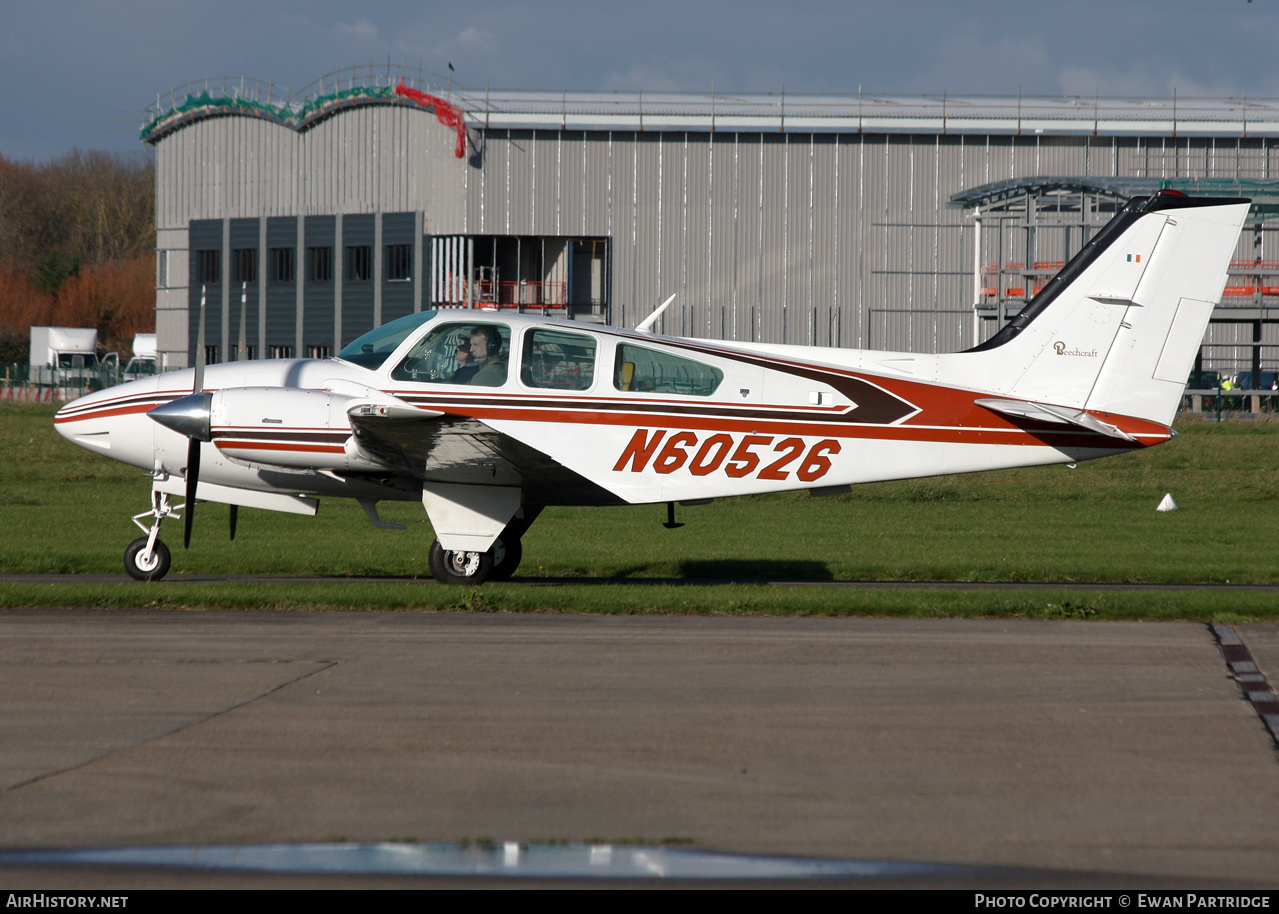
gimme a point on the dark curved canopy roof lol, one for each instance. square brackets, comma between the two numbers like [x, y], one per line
[1264, 194]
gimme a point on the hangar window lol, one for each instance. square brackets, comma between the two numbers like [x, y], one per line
[358, 261]
[558, 360]
[281, 264]
[399, 260]
[246, 264]
[650, 371]
[210, 266]
[319, 264]
[163, 260]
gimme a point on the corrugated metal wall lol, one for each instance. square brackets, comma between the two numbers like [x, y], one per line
[830, 239]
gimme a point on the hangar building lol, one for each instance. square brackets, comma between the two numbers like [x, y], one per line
[305, 218]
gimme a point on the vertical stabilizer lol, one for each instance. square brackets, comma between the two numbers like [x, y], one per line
[1117, 329]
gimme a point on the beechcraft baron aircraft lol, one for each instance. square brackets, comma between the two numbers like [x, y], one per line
[489, 417]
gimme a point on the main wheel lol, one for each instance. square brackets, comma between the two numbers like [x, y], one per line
[450, 567]
[144, 567]
[506, 558]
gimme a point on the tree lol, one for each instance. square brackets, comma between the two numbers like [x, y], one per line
[77, 242]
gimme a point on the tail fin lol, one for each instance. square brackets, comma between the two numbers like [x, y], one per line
[1117, 329]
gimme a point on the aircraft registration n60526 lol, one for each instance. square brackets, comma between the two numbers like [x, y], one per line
[488, 417]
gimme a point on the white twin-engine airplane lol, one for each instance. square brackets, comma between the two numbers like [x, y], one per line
[489, 417]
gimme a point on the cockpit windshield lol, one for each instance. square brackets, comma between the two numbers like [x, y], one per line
[376, 346]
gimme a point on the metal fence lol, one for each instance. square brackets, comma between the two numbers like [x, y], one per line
[54, 385]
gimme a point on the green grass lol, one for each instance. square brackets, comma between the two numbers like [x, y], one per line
[63, 509]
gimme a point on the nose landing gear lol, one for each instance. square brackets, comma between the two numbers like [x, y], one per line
[147, 559]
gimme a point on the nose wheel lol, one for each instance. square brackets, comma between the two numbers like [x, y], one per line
[146, 564]
[147, 559]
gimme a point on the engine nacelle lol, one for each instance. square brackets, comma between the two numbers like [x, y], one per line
[286, 427]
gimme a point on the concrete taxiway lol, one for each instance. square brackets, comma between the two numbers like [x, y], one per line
[1119, 749]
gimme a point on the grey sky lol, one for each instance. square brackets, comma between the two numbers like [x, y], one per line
[78, 73]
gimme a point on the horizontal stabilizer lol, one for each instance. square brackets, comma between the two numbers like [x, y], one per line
[1064, 415]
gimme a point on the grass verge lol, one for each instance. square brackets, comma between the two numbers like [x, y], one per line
[64, 510]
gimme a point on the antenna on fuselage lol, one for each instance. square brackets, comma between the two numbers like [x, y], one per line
[646, 325]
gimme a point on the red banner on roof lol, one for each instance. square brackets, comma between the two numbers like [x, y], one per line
[446, 114]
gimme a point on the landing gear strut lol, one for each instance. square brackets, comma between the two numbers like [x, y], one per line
[147, 559]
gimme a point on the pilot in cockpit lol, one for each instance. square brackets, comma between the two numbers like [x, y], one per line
[486, 364]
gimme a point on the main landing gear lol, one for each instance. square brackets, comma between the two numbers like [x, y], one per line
[147, 559]
[497, 564]
[456, 567]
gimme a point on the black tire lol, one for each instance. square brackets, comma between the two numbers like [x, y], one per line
[507, 555]
[449, 567]
[142, 570]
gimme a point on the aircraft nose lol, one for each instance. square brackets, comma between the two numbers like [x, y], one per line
[190, 416]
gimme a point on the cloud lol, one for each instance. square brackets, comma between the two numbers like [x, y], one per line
[361, 30]
[671, 74]
[1142, 82]
[477, 40]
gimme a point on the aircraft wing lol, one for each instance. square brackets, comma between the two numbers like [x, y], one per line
[455, 449]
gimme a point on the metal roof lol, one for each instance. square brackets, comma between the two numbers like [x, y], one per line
[873, 113]
[779, 111]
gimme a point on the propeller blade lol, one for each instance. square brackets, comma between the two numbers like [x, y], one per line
[235, 513]
[199, 348]
[193, 479]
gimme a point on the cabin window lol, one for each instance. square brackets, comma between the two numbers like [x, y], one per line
[470, 353]
[643, 370]
[557, 360]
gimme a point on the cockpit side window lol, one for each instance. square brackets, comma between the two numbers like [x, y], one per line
[557, 360]
[650, 371]
[470, 353]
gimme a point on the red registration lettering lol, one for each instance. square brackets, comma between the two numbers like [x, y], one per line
[817, 464]
[674, 455]
[793, 447]
[682, 449]
[744, 462]
[711, 454]
[639, 450]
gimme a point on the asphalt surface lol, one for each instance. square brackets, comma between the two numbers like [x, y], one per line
[1074, 753]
